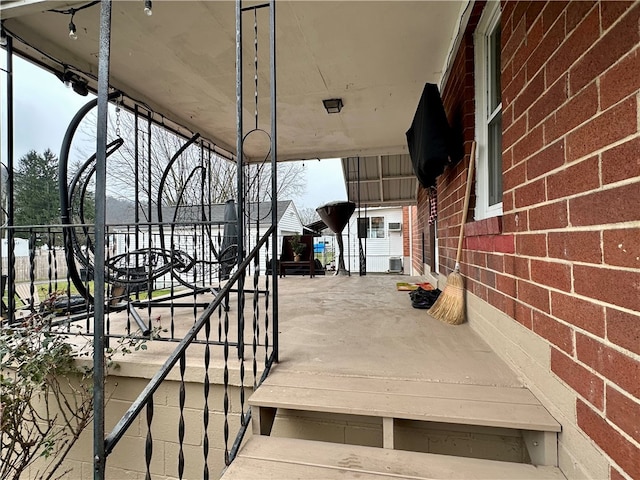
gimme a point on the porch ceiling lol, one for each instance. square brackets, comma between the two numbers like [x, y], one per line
[375, 55]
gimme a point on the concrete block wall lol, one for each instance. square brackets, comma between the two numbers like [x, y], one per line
[127, 461]
[563, 261]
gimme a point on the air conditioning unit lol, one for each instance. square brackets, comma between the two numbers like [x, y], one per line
[395, 226]
[395, 265]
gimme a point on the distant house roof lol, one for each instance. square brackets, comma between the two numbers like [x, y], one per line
[122, 212]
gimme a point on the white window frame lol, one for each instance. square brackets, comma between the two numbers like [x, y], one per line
[488, 22]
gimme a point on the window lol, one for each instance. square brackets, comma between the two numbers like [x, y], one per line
[376, 228]
[488, 113]
[371, 227]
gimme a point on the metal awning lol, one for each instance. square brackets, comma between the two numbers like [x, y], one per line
[380, 180]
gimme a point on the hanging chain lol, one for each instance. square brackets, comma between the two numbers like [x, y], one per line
[118, 118]
[255, 59]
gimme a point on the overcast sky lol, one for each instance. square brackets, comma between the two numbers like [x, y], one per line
[44, 106]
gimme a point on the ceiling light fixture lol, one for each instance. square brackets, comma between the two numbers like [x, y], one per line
[147, 8]
[3, 38]
[333, 105]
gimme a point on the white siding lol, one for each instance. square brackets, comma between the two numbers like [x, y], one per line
[377, 250]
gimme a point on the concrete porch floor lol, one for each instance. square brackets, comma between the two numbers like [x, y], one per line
[363, 326]
[340, 326]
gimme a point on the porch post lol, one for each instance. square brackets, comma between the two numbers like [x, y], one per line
[99, 459]
[11, 259]
[240, 174]
[274, 173]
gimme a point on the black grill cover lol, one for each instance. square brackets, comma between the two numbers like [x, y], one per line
[429, 138]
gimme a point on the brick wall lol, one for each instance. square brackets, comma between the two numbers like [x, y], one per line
[420, 232]
[564, 259]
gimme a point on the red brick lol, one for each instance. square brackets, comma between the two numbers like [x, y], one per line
[551, 41]
[623, 329]
[532, 245]
[488, 278]
[509, 92]
[533, 11]
[624, 412]
[506, 285]
[552, 274]
[622, 38]
[575, 246]
[622, 247]
[575, 44]
[617, 367]
[552, 11]
[553, 215]
[614, 205]
[581, 313]
[614, 286]
[530, 93]
[549, 158]
[622, 80]
[497, 299]
[613, 125]
[533, 295]
[614, 474]
[550, 101]
[511, 41]
[623, 452]
[495, 262]
[557, 333]
[575, 179]
[530, 194]
[515, 222]
[621, 162]
[504, 244]
[514, 176]
[612, 11]
[528, 145]
[579, 378]
[524, 315]
[580, 108]
[577, 11]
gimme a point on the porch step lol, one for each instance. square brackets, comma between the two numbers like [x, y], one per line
[274, 458]
[478, 405]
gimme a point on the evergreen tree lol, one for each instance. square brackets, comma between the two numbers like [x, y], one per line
[36, 192]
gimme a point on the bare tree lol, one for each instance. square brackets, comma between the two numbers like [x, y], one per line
[197, 176]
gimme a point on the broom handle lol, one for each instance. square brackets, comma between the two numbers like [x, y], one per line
[465, 209]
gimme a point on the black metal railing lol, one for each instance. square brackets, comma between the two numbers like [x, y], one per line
[204, 300]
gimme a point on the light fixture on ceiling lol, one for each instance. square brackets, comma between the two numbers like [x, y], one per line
[147, 8]
[333, 105]
[72, 29]
[3, 38]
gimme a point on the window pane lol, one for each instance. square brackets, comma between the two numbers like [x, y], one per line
[494, 69]
[377, 227]
[495, 159]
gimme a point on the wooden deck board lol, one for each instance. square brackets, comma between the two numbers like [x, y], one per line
[279, 458]
[503, 407]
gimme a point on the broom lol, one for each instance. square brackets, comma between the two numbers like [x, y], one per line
[449, 307]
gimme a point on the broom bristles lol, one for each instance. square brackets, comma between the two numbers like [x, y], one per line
[449, 307]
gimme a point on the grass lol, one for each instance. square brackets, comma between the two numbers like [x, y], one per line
[62, 286]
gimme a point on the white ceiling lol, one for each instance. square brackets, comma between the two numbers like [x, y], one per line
[375, 55]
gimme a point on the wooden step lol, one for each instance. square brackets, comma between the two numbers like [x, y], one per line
[274, 458]
[493, 406]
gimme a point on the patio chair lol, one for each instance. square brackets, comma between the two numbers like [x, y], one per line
[306, 262]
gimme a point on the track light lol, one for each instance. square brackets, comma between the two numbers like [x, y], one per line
[147, 7]
[72, 30]
[3, 38]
